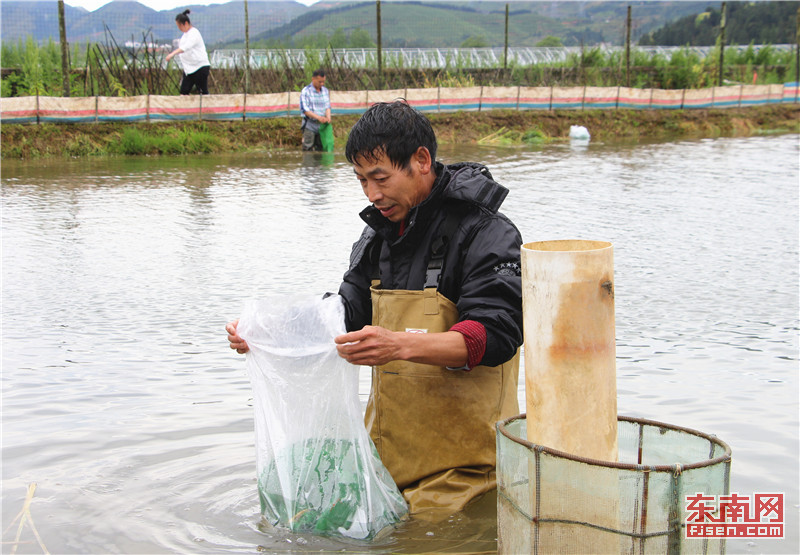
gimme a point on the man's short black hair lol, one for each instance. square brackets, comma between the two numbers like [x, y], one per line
[392, 128]
[318, 73]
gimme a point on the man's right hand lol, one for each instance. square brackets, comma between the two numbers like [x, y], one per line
[233, 338]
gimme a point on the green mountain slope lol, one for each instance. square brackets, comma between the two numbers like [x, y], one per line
[411, 24]
[746, 22]
[449, 24]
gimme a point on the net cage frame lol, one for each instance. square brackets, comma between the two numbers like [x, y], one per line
[671, 539]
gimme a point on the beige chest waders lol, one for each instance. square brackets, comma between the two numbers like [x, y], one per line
[433, 427]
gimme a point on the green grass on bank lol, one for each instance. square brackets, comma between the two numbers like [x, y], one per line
[172, 141]
[528, 128]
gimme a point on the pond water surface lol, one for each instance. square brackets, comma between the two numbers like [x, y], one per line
[122, 401]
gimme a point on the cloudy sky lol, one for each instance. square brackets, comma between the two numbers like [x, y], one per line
[159, 5]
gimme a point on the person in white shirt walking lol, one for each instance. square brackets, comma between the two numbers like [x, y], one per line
[193, 56]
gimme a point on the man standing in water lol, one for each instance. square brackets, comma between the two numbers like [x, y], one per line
[315, 106]
[433, 303]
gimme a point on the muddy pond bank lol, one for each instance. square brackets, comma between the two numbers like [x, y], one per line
[497, 127]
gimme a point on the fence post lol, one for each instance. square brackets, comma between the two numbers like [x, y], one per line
[628, 49]
[380, 46]
[721, 43]
[505, 50]
[246, 49]
[62, 31]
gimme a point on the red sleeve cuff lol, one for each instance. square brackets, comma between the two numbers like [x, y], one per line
[475, 337]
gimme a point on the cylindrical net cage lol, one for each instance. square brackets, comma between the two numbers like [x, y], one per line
[549, 501]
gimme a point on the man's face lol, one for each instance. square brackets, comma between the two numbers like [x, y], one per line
[318, 81]
[392, 190]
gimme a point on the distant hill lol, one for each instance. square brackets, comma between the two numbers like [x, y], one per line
[217, 22]
[449, 24]
[404, 23]
[746, 22]
[36, 19]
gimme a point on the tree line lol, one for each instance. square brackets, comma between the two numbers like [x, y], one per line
[746, 23]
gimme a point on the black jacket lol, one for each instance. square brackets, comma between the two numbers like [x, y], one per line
[481, 267]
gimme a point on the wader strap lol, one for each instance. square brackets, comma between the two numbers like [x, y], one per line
[440, 244]
[430, 301]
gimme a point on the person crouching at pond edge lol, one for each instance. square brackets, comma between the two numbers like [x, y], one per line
[315, 107]
[193, 56]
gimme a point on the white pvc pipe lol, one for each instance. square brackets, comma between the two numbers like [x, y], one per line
[570, 366]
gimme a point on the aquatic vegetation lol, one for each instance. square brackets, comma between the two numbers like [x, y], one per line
[135, 141]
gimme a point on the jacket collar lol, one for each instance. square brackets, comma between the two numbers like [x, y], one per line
[465, 181]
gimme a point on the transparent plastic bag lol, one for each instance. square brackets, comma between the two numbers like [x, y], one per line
[318, 470]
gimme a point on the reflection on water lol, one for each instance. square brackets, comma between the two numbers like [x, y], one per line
[123, 403]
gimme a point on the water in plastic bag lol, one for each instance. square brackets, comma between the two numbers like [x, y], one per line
[318, 470]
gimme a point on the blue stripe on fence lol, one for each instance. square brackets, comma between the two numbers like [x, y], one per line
[601, 105]
[512, 104]
[108, 118]
[454, 107]
[427, 107]
[22, 119]
[544, 105]
[789, 94]
[268, 115]
[66, 119]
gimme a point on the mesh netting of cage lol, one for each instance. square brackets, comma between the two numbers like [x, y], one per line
[550, 501]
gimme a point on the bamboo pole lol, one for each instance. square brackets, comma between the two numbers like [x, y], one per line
[721, 43]
[246, 49]
[380, 52]
[505, 50]
[62, 31]
[628, 49]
